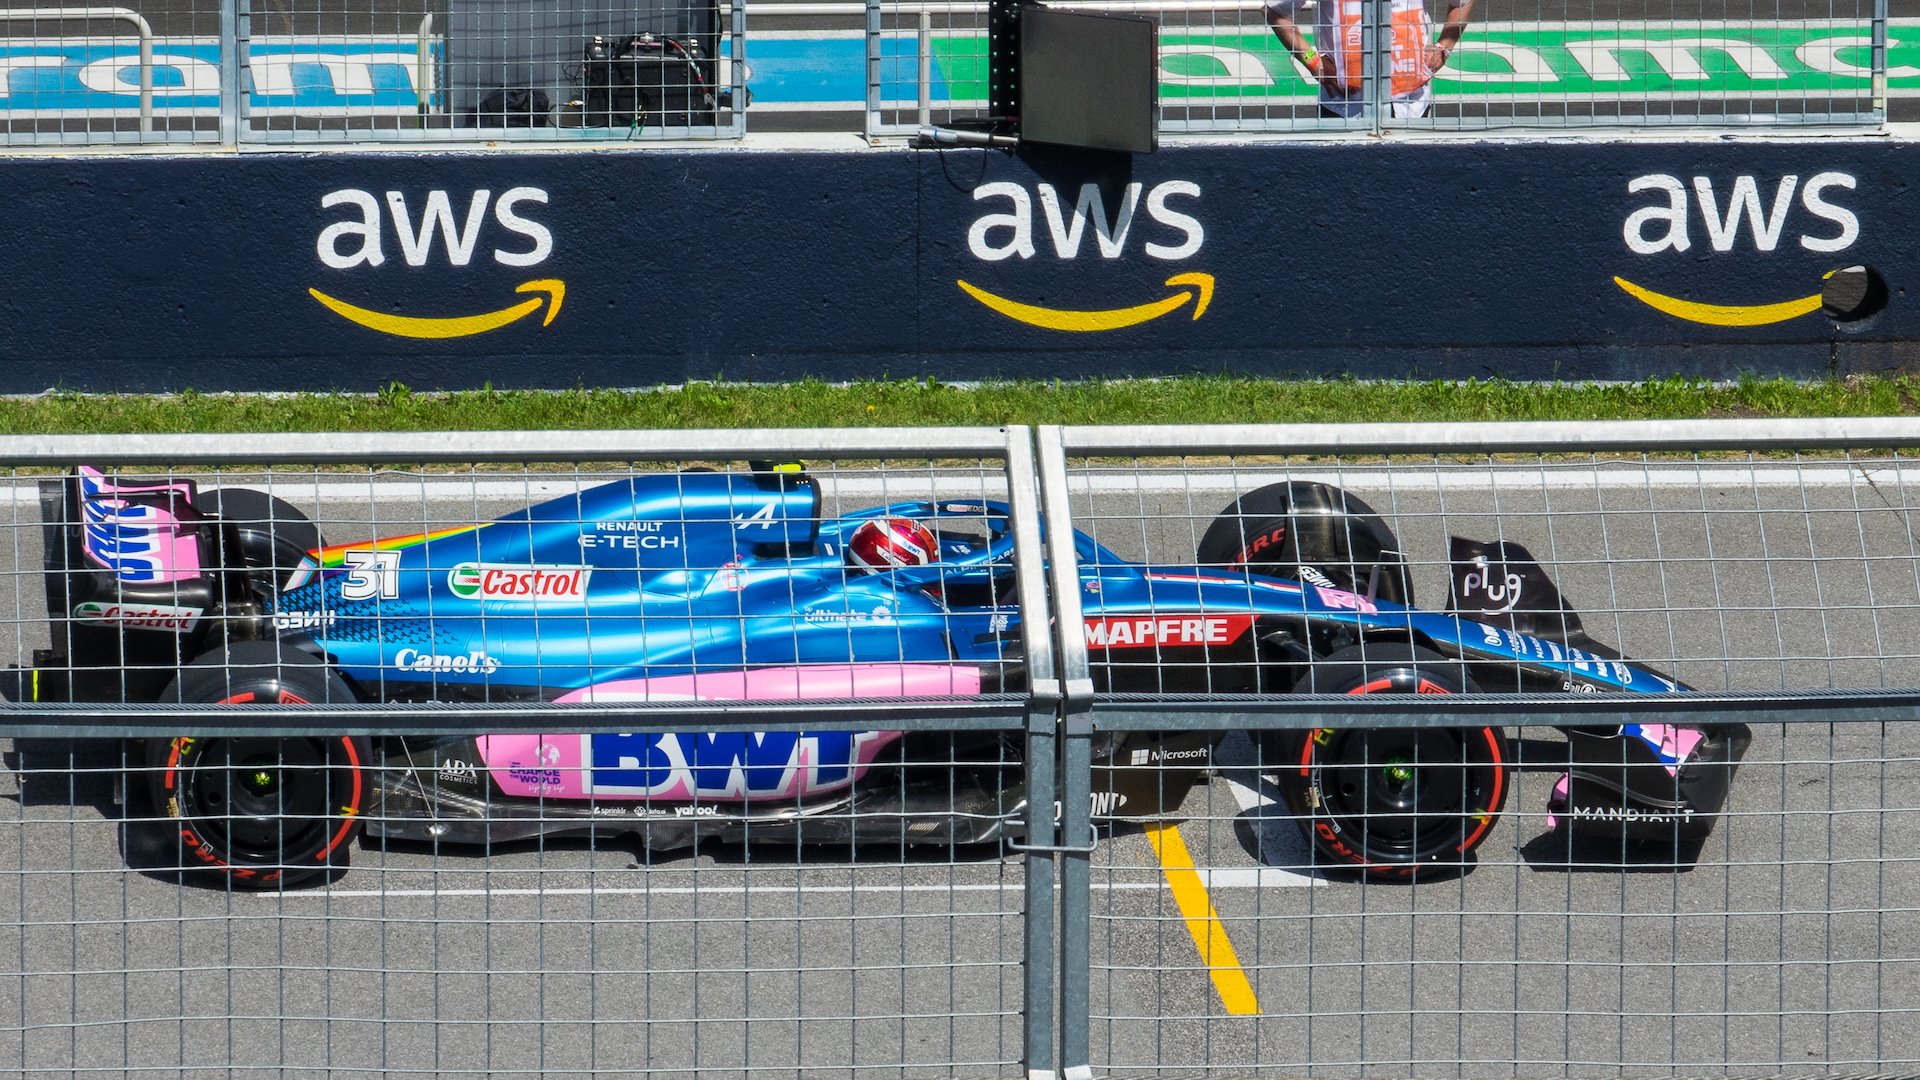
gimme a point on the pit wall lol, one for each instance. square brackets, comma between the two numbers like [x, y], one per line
[1527, 259]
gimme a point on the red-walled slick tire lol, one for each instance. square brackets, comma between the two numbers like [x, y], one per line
[266, 811]
[1392, 803]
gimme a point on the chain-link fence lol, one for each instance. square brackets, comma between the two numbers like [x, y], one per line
[462, 71]
[489, 70]
[1529, 750]
[1328, 66]
[1703, 887]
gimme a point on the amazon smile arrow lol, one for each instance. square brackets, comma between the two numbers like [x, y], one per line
[458, 326]
[1201, 291]
[1722, 314]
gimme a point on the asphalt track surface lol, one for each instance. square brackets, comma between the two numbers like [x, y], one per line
[1786, 942]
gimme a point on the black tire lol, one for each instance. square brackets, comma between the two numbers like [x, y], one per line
[274, 535]
[1392, 804]
[1277, 529]
[266, 811]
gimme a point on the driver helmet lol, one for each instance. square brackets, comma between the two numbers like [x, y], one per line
[890, 543]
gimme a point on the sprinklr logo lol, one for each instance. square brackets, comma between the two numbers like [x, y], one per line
[486, 581]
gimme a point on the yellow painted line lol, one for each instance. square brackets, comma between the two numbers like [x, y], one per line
[1209, 934]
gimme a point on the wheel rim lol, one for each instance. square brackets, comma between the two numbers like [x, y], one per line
[1403, 793]
[257, 799]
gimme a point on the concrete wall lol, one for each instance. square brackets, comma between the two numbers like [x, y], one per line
[288, 271]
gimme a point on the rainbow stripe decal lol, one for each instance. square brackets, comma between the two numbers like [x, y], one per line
[334, 557]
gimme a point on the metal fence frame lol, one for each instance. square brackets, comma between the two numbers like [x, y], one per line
[1376, 117]
[1034, 712]
[1084, 712]
[233, 129]
[1061, 713]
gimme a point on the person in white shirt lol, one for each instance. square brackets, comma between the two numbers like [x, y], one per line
[1335, 56]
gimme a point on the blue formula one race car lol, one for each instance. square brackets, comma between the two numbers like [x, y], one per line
[733, 587]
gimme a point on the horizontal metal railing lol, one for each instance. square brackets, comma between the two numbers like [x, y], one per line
[92, 14]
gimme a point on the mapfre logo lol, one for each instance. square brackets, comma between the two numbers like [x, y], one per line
[1024, 224]
[433, 232]
[1740, 217]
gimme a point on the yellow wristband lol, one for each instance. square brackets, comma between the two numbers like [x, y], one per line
[1311, 58]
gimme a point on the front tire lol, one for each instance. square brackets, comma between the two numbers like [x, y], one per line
[1392, 803]
[265, 810]
[1312, 532]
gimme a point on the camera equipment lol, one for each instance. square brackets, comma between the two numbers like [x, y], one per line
[647, 81]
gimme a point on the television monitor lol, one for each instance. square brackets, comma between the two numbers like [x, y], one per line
[1088, 80]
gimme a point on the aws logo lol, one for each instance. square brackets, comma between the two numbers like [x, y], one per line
[1014, 231]
[1805, 215]
[361, 240]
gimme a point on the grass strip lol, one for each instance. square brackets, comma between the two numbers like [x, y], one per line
[928, 402]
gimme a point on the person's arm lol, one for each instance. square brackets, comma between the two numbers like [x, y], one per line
[1457, 17]
[1319, 65]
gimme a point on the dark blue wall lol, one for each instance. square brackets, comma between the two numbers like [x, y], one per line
[1449, 260]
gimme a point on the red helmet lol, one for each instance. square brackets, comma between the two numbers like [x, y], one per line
[890, 543]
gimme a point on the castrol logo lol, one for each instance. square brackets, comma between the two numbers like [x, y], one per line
[492, 581]
[176, 620]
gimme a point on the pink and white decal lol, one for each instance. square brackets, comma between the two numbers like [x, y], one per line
[718, 766]
[1675, 743]
[1342, 600]
[132, 529]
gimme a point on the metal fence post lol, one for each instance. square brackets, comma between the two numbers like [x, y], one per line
[1040, 758]
[1376, 30]
[1076, 763]
[232, 72]
[1879, 52]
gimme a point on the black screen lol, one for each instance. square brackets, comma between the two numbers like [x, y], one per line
[1087, 80]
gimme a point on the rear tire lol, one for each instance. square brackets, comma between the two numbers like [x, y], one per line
[274, 535]
[266, 811]
[1392, 804]
[1278, 529]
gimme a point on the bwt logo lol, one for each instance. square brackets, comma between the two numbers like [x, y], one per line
[360, 240]
[1748, 219]
[1013, 230]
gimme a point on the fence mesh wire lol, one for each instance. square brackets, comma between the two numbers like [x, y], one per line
[1777, 941]
[490, 912]
[466, 70]
[471, 903]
